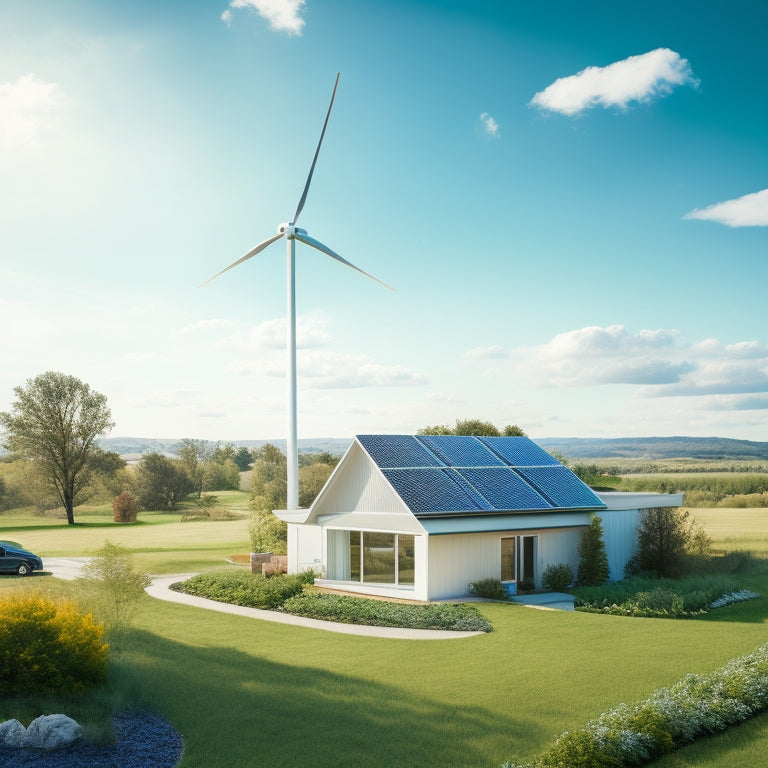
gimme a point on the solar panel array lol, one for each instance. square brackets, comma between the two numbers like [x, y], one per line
[444, 474]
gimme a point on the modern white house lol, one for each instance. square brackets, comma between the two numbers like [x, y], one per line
[420, 517]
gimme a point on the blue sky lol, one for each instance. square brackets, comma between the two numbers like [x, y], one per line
[571, 200]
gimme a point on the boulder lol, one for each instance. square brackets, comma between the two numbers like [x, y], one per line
[52, 732]
[12, 734]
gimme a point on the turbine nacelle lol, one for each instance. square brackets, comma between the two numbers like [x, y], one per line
[290, 230]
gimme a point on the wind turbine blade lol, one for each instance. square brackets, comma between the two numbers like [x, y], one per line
[307, 240]
[258, 249]
[317, 152]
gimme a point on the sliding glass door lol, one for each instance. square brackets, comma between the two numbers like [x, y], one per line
[371, 557]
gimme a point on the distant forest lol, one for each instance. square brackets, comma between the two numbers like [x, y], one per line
[712, 448]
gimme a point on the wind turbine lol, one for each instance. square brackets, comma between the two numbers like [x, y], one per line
[292, 233]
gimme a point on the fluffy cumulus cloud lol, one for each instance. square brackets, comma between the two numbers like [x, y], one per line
[27, 106]
[659, 363]
[282, 15]
[490, 126]
[636, 79]
[746, 211]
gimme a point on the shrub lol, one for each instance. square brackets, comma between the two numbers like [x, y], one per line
[490, 589]
[125, 507]
[268, 533]
[380, 613]
[526, 585]
[48, 647]
[663, 598]
[112, 586]
[696, 706]
[669, 543]
[558, 578]
[244, 588]
[593, 567]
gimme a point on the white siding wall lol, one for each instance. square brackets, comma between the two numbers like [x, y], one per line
[620, 537]
[456, 560]
[305, 548]
[556, 547]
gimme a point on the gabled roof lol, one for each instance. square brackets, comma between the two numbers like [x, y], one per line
[446, 475]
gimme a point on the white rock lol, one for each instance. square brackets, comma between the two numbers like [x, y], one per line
[12, 733]
[52, 732]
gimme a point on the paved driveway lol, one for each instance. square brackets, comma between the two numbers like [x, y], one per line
[65, 567]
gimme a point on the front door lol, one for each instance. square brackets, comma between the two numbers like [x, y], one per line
[518, 558]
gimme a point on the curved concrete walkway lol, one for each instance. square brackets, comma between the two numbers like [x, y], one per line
[160, 589]
[70, 568]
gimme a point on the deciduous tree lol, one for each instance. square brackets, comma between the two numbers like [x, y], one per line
[161, 482]
[473, 427]
[55, 421]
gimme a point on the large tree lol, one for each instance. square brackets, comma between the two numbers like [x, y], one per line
[54, 422]
[161, 482]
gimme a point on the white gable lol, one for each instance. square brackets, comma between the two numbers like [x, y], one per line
[358, 487]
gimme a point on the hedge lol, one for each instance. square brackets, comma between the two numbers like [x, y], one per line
[697, 706]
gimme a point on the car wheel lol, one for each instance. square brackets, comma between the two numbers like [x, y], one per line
[24, 570]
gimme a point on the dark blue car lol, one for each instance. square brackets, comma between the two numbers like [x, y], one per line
[16, 560]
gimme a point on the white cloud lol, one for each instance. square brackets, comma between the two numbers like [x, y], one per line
[490, 126]
[26, 109]
[332, 370]
[282, 15]
[747, 211]
[637, 78]
[311, 331]
[658, 362]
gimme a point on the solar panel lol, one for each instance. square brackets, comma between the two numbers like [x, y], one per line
[456, 473]
[460, 451]
[397, 451]
[519, 451]
[561, 487]
[430, 490]
[504, 489]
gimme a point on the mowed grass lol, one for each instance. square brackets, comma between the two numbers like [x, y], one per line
[243, 691]
[160, 541]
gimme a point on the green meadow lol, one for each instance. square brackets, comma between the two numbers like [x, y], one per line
[243, 691]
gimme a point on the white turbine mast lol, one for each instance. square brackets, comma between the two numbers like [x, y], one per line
[292, 233]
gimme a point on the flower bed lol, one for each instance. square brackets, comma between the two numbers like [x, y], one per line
[697, 706]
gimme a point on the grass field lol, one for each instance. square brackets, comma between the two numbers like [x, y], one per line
[243, 691]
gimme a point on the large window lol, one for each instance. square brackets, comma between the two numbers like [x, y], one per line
[370, 557]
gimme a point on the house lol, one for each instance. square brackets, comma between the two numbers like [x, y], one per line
[420, 517]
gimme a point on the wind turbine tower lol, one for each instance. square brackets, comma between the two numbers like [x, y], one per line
[292, 233]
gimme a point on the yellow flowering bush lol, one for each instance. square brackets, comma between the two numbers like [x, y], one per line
[48, 647]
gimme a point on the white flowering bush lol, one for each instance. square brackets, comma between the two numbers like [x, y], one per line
[733, 597]
[698, 705]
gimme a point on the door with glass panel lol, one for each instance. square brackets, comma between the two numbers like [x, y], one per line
[518, 558]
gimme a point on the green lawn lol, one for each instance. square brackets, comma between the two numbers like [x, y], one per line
[244, 692]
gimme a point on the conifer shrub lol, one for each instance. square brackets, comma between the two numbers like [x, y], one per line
[48, 647]
[593, 567]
